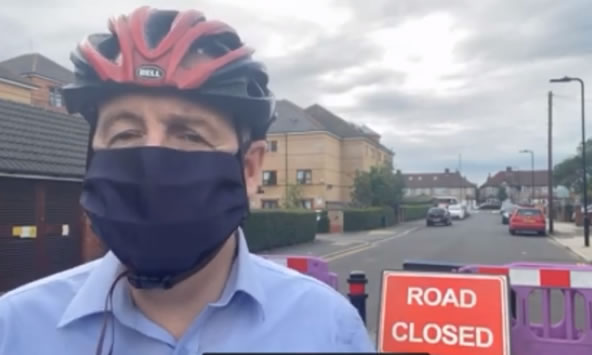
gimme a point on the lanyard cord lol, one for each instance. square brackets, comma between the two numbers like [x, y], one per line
[108, 316]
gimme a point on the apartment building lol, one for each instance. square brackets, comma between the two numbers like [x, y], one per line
[319, 153]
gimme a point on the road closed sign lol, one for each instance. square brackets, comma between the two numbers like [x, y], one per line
[444, 314]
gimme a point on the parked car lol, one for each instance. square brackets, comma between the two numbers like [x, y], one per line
[444, 201]
[490, 206]
[457, 211]
[506, 213]
[438, 215]
[528, 219]
[467, 210]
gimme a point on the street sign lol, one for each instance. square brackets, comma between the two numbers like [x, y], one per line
[444, 313]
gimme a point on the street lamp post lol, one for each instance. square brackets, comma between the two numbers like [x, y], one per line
[567, 79]
[531, 172]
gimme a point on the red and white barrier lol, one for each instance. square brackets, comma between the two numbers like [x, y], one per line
[523, 275]
[308, 265]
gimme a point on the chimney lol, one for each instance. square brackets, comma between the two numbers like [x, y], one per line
[509, 169]
[447, 171]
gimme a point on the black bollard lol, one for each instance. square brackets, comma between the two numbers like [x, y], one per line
[357, 292]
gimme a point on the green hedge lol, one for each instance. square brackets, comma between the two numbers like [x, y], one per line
[414, 212]
[418, 200]
[265, 230]
[323, 223]
[368, 218]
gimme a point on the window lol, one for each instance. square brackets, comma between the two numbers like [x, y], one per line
[306, 204]
[55, 97]
[272, 146]
[530, 212]
[270, 204]
[269, 178]
[441, 191]
[304, 177]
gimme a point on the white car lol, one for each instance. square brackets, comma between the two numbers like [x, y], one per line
[457, 211]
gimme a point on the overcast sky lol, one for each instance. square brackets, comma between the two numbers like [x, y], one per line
[435, 78]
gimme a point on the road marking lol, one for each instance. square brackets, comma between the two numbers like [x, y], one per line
[379, 232]
[397, 236]
[348, 252]
[365, 246]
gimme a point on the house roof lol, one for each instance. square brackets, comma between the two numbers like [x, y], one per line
[334, 123]
[38, 64]
[518, 178]
[369, 131]
[6, 74]
[291, 118]
[342, 128]
[436, 180]
[35, 141]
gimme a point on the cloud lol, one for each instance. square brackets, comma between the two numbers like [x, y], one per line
[435, 78]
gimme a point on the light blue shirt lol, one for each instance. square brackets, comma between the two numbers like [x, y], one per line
[264, 308]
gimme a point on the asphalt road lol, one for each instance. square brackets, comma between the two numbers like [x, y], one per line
[480, 239]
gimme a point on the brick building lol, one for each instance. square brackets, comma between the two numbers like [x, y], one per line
[42, 161]
[42, 155]
[320, 153]
[518, 185]
[45, 74]
[446, 183]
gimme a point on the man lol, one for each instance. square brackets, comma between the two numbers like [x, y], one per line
[178, 111]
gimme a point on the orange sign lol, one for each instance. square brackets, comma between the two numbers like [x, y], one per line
[444, 314]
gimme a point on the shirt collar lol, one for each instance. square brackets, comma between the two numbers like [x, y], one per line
[243, 278]
[90, 298]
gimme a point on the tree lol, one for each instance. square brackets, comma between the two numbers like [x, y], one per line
[378, 187]
[502, 195]
[293, 197]
[569, 172]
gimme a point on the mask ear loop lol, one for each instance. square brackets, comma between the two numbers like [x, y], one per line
[91, 116]
[241, 154]
[108, 316]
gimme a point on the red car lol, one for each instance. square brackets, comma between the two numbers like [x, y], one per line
[528, 219]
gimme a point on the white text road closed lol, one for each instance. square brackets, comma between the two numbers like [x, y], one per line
[449, 334]
[464, 298]
[460, 314]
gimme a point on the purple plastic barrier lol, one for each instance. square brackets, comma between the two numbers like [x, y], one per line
[333, 280]
[308, 265]
[584, 267]
[317, 265]
[546, 338]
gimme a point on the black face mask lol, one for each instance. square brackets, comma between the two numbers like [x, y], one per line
[164, 213]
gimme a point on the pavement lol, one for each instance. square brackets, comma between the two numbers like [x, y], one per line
[480, 239]
[571, 237]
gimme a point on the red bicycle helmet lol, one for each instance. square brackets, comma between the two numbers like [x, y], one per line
[172, 50]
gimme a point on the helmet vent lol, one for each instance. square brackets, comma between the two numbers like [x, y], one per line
[158, 26]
